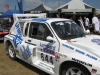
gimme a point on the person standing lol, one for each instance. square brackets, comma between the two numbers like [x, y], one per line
[80, 20]
[58, 15]
[73, 17]
[86, 22]
[99, 21]
[95, 23]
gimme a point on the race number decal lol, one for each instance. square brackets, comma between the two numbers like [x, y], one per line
[48, 59]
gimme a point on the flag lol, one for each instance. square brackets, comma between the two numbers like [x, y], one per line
[20, 5]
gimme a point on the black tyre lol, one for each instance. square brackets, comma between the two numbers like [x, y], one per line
[73, 69]
[11, 52]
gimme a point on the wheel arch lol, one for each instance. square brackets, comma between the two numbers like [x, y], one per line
[71, 62]
[7, 43]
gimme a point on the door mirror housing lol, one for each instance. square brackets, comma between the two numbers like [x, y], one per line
[50, 39]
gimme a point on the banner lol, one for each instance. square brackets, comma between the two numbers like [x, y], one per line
[20, 5]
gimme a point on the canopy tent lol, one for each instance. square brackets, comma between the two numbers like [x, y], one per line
[98, 11]
[75, 6]
[40, 8]
[9, 13]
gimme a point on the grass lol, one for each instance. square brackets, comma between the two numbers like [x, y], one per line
[18, 67]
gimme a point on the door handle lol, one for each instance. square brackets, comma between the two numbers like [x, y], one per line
[29, 40]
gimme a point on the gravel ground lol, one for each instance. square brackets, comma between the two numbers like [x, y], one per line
[18, 67]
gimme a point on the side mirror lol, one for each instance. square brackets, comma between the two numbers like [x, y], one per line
[50, 39]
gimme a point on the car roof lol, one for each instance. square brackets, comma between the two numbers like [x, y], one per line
[44, 19]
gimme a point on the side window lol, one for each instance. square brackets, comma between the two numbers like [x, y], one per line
[33, 30]
[26, 29]
[39, 31]
[21, 26]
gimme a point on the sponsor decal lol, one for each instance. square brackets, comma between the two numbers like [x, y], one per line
[44, 66]
[47, 48]
[17, 38]
[97, 41]
[81, 62]
[57, 58]
[18, 29]
[90, 56]
[25, 52]
[68, 46]
[58, 55]
[80, 51]
[61, 55]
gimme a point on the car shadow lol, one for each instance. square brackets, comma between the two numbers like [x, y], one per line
[34, 69]
[1, 41]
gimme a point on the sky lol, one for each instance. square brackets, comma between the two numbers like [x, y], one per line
[31, 4]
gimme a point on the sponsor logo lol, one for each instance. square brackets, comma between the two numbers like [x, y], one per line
[68, 46]
[90, 56]
[18, 29]
[97, 41]
[80, 51]
[44, 66]
[18, 38]
[61, 55]
[47, 48]
[25, 52]
[81, 62]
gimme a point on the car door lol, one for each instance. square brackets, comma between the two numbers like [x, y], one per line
[45, 50]
[24, 50]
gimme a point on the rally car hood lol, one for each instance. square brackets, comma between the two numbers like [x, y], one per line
[89, 43]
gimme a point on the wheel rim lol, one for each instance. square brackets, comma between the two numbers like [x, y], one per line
[74, 71]
[11, 51]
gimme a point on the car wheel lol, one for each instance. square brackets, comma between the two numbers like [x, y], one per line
[74, 70]
[11, 52]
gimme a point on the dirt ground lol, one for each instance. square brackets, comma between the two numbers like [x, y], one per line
[18, 67]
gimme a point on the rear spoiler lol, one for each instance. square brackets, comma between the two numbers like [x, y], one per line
[21, 16]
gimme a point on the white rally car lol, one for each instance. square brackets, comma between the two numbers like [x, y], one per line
[54, 45]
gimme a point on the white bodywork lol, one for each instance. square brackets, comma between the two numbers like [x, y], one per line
[30, 50]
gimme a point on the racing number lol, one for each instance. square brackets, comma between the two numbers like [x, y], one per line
[42, 56]
[45, 58]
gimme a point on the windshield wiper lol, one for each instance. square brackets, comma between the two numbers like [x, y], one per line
[66, 36]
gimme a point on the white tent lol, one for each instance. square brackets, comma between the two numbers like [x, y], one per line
[75, 6]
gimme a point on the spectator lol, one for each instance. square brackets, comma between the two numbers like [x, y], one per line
[95, 23]
[73, 17]
[58, 15]
[80, 22]
[99, 21]
[86, 22]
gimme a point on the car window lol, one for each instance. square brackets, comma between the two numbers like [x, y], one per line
[39, 31]
[26, 29]
[21, 26]
[67, 29]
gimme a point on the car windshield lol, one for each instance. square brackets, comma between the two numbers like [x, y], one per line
[67, 29]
